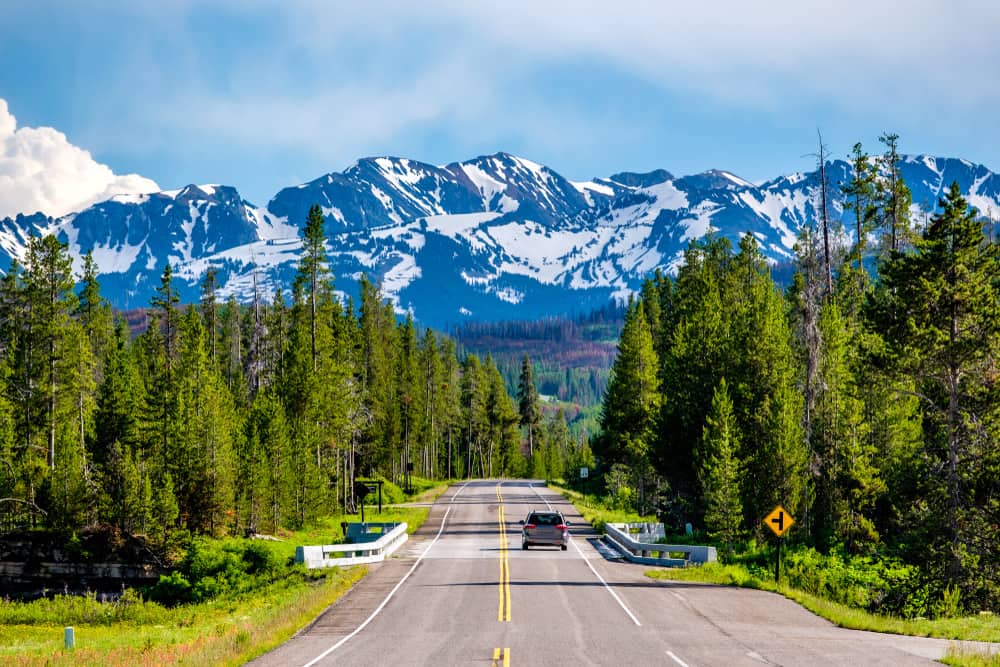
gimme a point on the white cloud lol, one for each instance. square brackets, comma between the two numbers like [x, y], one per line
[40, 170]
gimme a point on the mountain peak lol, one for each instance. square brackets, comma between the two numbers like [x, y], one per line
[499, 235]
[647, 179]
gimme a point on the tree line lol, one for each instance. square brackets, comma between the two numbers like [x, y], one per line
[228, 418]
[863, 398]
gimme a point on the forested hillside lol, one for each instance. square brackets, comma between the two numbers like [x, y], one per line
[226, 418]
[865, 403]
[571, 356]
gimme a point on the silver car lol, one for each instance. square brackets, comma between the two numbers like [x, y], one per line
[546, 527]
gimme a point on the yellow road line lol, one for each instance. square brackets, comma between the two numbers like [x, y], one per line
[503, 609]
[503, 655]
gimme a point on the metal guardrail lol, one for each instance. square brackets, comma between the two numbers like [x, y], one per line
[618, 534]
[331, 555]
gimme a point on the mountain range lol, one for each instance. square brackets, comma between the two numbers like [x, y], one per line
[496, 237]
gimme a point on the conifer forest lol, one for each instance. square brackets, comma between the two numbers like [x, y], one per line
[863, 397]
[225, 418]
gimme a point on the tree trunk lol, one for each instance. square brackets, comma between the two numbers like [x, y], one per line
[828, 262]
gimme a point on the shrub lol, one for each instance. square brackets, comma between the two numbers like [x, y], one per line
[219, 568]
[882, 585]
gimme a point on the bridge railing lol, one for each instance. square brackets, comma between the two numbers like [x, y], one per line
[620, 537]
[330, 555]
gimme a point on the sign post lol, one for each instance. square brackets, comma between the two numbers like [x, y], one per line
[779, 521]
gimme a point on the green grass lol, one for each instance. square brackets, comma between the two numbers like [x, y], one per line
[227, 630]
[220, 632]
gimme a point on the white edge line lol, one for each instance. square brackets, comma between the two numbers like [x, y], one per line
[676, 659]
[406, 576]
[596, 573]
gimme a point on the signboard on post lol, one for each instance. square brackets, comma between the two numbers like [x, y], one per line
[779, 521]
[584, 473]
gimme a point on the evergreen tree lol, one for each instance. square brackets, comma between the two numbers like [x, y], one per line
[313, 270]
[860, 198]
[210, 312]
[632, 402]
[946, 344]
[49, 284]
[719, 469]
[94, 314]
[894, 198]
[116, 436]
[527, 401]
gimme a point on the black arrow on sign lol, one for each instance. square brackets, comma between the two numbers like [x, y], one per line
[780, 521]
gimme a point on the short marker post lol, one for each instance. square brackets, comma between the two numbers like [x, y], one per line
[69, 638]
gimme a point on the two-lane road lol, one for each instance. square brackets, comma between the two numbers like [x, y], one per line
[462, 592]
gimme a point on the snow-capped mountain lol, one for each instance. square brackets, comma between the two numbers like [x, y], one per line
[494, 237]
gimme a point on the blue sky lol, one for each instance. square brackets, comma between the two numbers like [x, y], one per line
[262, 94]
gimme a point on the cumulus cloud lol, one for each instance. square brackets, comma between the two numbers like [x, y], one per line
[40, 170]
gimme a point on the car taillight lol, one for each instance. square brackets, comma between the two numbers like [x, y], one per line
[562, 527]
[529, 525]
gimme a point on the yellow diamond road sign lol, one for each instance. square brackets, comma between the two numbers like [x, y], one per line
[779, 521]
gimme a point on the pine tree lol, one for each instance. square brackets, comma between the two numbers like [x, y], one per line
[632, 402]
[116, 434]
[894, 198]
[946, 344]
[502, 437]
[49, 283]
[432, 397]
[313, 269]
[860, 197]
[473, 388]
[210, 312]
[94, 313]
[527, 401]
[719, 469]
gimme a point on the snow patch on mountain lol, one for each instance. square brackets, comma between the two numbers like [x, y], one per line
[493, 237]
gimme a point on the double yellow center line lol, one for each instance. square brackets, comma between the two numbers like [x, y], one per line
[503, 612]
[501, 655]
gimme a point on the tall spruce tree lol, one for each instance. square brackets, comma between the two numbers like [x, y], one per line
[894, 198]
[946, 344]
[632, 402]
[527, 403]
[719, 469]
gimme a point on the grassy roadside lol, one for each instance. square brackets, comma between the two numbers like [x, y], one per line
[225, 630]
[985, 628]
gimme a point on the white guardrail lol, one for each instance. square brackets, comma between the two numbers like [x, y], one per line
[331, 555]
[618, 534]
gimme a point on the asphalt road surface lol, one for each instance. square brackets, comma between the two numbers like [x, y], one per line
[462, 592]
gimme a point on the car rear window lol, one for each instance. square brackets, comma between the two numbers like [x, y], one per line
[544, 519]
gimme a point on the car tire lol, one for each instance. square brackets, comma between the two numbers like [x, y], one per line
[524, 546]
[563, 547]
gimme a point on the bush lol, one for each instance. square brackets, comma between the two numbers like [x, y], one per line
[219, 568]
[878, 585]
